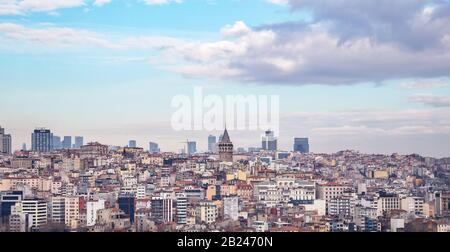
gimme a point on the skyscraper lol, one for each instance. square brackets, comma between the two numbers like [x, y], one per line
[192, 147]
[5, 142]
[67, 142]
[78, 142]
[225, 148]
[56, 143]
[41, 140]
[212, 143]
[153, 147]
[132, 144]
[269, 141]
[301, 145]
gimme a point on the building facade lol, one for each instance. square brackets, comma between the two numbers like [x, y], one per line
[301, 145]
[41, 140]
[269, 141]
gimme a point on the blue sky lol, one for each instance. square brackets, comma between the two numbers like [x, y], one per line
[109, 72]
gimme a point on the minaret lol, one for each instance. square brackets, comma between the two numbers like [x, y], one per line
[225, 148]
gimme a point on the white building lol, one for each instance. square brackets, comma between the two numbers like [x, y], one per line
[386, 203]
[181, 208]
[20, 222]
[37, 208]
[58, 209]
[141, 192]
[72, 211]
[397, 223]
[92, 208]
[231, 208]
[206, 212]
[413, 205]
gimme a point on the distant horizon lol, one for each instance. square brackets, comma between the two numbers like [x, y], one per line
[204, 143]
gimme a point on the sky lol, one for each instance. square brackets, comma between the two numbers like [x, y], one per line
[373, 76]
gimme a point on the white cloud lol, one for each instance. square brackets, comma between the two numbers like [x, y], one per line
[236, 30]
[279, 2]
[420, 84]
[431, 100]
[160, 2]
[18, 7]
[100, 3]
[47, 35]
[50, 35]
[369, 122]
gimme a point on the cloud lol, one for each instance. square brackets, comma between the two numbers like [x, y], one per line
[431, 100]
[279, 2]
[100, 3]
[160, 2]
[415, 24]
[49, 35]
[421, 84]
[236, 30]
[19, 7]
[347, 42]
[368, 122]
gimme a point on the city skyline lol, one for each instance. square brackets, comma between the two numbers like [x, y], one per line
[377, 82]
[245, 119]
[204, 144]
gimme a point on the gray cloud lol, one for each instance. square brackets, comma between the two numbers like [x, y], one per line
[416, 24]
[431, 100]
[347, 42]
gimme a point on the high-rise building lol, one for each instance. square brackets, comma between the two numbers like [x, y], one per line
[67, 142]
[212, 144]
[56, 142]
[269, 141]
[162, 209]
[5, 142]
[167, 208]
[127, 205]
[225, 148]
[181, 208]
[41, 140]
[7, 200]
[153, 147]
[301, 145]
[57, 210]
[192, 147]
[78, 142]
[24, 146]
[72, 211]
[132, 144]
[91, 211]
[37, 208]
[157, 205]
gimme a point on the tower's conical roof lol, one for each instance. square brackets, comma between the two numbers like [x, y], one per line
[225, 137]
